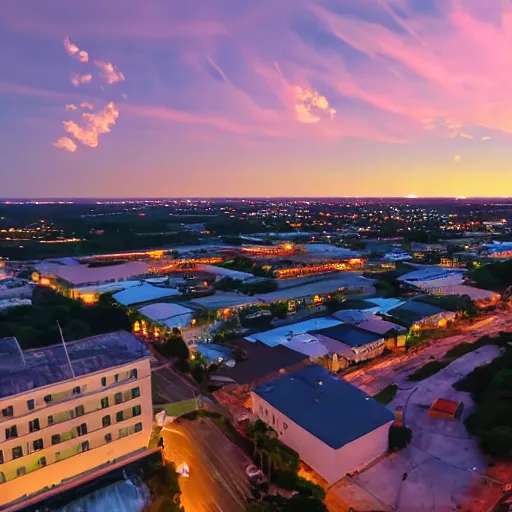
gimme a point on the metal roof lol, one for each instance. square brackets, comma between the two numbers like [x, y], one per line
[350, 335]
[326, 406]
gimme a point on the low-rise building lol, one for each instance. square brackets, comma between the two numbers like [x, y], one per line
[65, 410]
[422, 316]
[352, 343]
[335, 427]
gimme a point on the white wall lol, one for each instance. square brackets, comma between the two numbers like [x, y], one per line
[331, 464]
[64, 460]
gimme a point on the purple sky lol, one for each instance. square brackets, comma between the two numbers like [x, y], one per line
[255, 97]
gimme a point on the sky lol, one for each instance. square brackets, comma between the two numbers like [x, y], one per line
[232, 98]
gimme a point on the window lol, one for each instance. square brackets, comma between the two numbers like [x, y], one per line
[285, 425]
[42, 462]
[108, 438]
[104, 402]
[138, 427]
[123, 432]
[136, 410]
[103, 381]
[2, 478]
[85, 446]
[79, 410]
[8, 411]
[82, 429]
[48, 398]
[21, 471]
[118, 398]
[17, 452]
[31, 404]
[11, 432]
[50, 420]
[55, 439]
[116, 377]
[106, 421]
[119, 416]
[76, 390]
[57, 456]
[1, 457]
[38, 445]
[133, 373]
[135, 392]
[34, 425]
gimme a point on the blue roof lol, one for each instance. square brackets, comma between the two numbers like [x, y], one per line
[146, 292]
[326, 406]
[350, 335]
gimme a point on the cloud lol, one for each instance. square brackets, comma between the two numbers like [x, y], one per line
[486, 138]
[456, 158]
[310, 105]
[85, 104]
[75, 52]
[109, 72]
[466, 135]
[71, 106]
[78, 80]
[65, 143]
[93, 125]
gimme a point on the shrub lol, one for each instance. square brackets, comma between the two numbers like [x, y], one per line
[174, 346]
[290, 481]
[399, 437]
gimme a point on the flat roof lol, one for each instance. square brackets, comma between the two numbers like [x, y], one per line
[222, 300]
[281, 335]
[145, 292]
[82, 274]
[328, 407]
[350, 335]
[49, 365]
[413, 311]
[261, 361]
[170, 314]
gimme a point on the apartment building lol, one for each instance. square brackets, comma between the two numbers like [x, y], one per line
[67, 410]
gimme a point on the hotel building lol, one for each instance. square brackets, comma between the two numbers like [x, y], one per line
[67, 410]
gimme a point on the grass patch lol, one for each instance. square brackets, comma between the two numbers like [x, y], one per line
[177, 408]
[155, 436]
[387, 394]
[427, 370]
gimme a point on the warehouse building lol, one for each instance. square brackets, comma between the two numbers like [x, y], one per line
[335, 427]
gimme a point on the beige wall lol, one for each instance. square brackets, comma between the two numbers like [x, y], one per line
[331, 464]
[66, 458]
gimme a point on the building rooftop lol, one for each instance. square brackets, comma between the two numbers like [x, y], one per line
[326, 406]
[413, 311]
[78, 275]
[145, 292]
[367, 321]
[261, 362]
[23, 371]
[350, 335]
[170, 314]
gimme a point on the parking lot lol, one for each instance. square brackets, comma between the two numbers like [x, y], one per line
[441, 466]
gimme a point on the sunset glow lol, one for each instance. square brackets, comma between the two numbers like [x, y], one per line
[289, 98]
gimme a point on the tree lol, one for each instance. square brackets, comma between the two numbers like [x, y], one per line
[174, 346]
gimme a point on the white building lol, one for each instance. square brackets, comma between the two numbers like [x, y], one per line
[334, 426]
[65, 414]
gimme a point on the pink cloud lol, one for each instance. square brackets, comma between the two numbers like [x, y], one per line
[74, 51]
[109, 72]
[93, 125]
[65, 143]
[78, 80]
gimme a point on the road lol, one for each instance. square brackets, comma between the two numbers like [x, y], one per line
[217, 481]
[375, 376]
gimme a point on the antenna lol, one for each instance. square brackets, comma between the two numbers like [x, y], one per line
[66, 350]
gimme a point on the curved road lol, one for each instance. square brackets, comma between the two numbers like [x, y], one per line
[217, 481]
